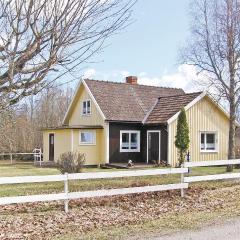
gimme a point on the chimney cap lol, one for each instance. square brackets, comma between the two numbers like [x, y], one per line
[131, 79]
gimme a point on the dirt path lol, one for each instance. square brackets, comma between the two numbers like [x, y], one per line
[230, 230]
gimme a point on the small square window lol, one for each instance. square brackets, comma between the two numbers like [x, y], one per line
[208, 142]
[87, 137]
[129, 141]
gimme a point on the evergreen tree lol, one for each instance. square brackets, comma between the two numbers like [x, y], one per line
[182, 138]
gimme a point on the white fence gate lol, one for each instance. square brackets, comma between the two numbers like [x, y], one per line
[37, 155]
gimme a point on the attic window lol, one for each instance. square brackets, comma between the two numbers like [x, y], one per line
[86, 107]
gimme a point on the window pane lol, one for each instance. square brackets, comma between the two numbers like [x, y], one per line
[134, 141]
[210, 141]
[52, 139]
[125, 140]
[84, 107]
[87, 137]
[202, 141]
[88, 107]
[210, 138]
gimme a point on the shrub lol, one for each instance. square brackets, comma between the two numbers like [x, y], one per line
[71, 162]
[182, 138]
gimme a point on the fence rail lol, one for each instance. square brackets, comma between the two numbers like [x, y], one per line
[211, 163]
[213, 176]
[66, 195]
[37, 155]
[89, 194]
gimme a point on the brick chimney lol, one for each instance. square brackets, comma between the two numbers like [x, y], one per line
[131, 79]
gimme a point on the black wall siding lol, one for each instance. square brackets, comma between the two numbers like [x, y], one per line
[115, 156]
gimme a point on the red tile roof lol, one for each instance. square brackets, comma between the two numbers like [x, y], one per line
[127, 102]
[167, 107]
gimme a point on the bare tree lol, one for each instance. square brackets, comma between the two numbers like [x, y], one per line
[42, 40]
[7, 130]
[20, 126]
[215, 50]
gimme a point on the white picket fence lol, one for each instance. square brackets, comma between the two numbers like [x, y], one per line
[66, 195]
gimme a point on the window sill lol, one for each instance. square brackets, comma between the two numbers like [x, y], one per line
[129, 150]
[86, 115]
[87, 144]
[209, 151]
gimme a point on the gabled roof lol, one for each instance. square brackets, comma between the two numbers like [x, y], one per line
[127, 102]
[167, 107]
[137, 103]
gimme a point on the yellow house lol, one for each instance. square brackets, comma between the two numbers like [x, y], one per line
[116, 122]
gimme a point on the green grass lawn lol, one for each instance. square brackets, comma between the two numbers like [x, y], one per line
[26, 169]
[222, 201]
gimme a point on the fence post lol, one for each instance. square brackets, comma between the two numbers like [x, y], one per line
[66, 192]
[40, 157]
[11, 158]
[182, 181]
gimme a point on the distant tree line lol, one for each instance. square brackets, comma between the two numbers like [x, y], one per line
[20, 126]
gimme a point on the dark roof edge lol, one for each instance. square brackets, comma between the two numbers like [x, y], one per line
[74, 127]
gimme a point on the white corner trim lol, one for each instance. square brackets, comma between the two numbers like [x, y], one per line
[197, 99]
[93, 99]
[169, 145]
[107, 142]
[149, 112]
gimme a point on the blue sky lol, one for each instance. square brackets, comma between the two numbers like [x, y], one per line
[149, 47]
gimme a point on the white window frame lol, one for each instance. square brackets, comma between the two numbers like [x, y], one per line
[138, 139]
[205, 136]
[87, 143]
[86, 101]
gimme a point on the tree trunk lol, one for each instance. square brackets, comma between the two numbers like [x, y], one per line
[231, 137]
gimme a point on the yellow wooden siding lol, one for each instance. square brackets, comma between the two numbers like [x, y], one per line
[76, 117]
[203, 116]
[95, 154]
[62, 143]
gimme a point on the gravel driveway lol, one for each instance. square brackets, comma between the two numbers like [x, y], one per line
[230, 230]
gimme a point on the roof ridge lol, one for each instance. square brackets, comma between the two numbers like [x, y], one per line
[107, 81]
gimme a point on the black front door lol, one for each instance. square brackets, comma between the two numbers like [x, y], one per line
[153, 139]
[51, 147]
